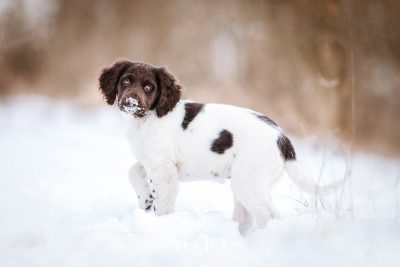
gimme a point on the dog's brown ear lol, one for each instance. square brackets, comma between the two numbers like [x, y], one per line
[170, 91]
[109, 78]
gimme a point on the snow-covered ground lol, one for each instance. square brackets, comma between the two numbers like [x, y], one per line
[65, 201]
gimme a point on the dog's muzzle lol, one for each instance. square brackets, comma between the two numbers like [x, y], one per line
[131, 105]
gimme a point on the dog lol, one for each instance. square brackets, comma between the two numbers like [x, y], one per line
[175, 140]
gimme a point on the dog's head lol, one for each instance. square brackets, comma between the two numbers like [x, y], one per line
[140, 87]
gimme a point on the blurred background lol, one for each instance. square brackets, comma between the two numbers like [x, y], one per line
[318, 68]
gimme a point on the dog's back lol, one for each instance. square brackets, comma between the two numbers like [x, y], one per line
[223, 140]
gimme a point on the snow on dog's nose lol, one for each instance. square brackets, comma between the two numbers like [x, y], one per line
[131, 105]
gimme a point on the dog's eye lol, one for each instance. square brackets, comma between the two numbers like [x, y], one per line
[125, 82]
[148, 87]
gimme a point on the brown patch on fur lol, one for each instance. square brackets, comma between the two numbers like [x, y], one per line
[170, 92]
[266, 119]
[223, 142]
[286, 147]
[191, 111]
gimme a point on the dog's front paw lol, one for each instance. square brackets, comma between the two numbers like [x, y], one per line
[163, 208]
[146, 202]
[160, 212]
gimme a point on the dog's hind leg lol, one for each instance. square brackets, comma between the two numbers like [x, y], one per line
[244, 218]
[257, 202]
[137, 178]
[239, 212]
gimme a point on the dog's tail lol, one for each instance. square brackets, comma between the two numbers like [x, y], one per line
[305, 182]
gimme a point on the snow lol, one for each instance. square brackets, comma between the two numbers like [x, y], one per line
[65, 200]
[132, 106]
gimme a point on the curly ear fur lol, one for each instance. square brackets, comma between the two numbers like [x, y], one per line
[170, 92]
[109, 78]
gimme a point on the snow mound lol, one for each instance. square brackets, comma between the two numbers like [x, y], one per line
[65, 200]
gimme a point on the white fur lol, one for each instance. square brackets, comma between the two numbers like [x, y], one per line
[167, 153]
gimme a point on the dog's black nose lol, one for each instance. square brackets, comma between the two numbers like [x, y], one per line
[130, 102]
[132, 106]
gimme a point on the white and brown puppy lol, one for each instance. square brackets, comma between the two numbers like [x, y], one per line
[174, 140]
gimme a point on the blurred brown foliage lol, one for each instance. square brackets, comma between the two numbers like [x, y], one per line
[316, 67]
